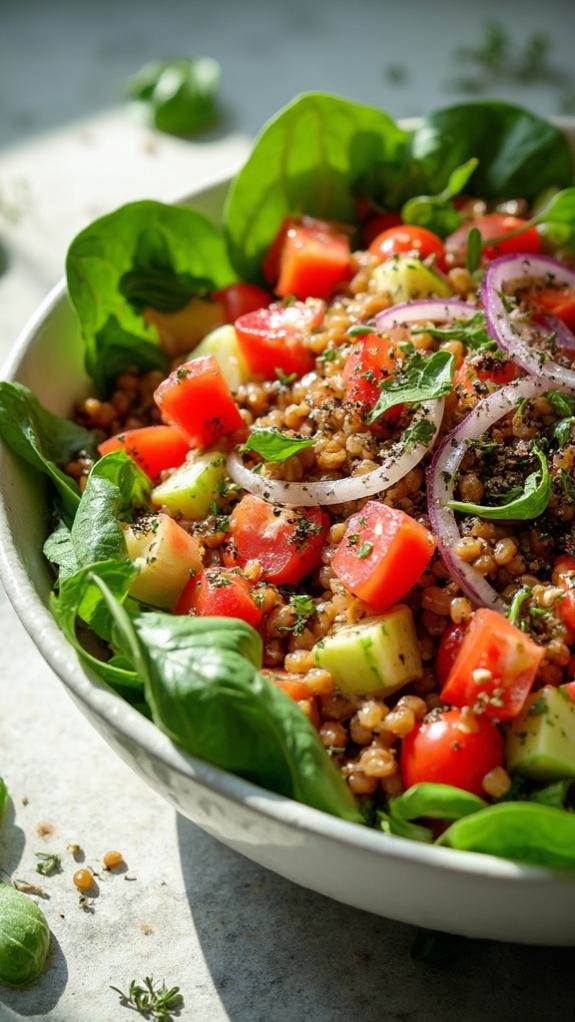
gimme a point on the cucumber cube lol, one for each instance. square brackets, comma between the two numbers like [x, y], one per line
[223, 343]
[190, 490]
[541, 740]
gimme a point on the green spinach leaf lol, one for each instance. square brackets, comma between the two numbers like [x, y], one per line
[518, 152]
[179, 95]
[125, 261]
[44, 440]
[274, 446]
[531, 503]
[523, 831]
[59, 550]
[206, 693]
[438, 801]
[115, 488]
[425, 378]
[437, 212]
[313, 157]
[390, 824]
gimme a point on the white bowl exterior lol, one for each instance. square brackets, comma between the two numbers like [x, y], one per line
[475, 895]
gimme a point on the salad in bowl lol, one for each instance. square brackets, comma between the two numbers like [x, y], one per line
[316, 515]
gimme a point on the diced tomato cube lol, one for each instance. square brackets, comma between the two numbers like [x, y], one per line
[308, 258]
[371, 360]
[297, 690]
[287, 542]
[449, 647]
[275, 338]
[559, 302]
[382, 554]
[217, 592]
[495, 667]
[564, 576]
[482, 378]
[153, 448]
[197, 399]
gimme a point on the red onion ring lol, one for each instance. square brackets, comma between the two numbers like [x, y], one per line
[445, 463]
[506, 329]
[433, 309]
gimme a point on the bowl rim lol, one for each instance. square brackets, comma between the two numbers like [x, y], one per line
[122, 717]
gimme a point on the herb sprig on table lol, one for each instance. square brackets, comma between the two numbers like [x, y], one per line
[151, 1000]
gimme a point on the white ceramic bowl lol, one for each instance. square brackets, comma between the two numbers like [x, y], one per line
[467, 893]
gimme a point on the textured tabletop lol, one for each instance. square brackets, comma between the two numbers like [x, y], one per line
[242, 943]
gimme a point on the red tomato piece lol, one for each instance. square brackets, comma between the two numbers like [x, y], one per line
[442, 751]
[492, 226]
[564, 576]
[480, 378]
[371, 360]
[495, 667]
[197, 399]
[449, 647]
[382, 554]
[569, 690]
[274, 338]
[239, 299]
[216, 592]
[559, 302]
[408, 238]
[376, 225]
[308, 258]
[287, 542]
[153, 448]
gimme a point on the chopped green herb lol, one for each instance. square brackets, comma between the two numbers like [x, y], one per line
[473, 254]
[151, 1000]
[274, 446]
[472, 332]
[48, 863]
[425, 378]
[421, 432]
[284, 379]
[364, 550]
[530, 504]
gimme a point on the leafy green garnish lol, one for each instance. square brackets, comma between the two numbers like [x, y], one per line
[304, 608]
[424, 378]
[285, 378]
[364, 550]
[530, 504]
[472, 332]
[437, 212]
[48, 863]
[274, 446]
[562, 404]
[437, 801]
[151, 1000]
[144, 252]
[473, 251]
[421, 432]
[514, 612]
[179, 95]
[43, 440]
[390, 824]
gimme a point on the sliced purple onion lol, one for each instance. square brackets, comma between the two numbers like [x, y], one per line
[339, 491]
[511, 330]
[440, 483]
[433, 309]
[564, 338]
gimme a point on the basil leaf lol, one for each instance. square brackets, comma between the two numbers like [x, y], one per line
[205, 691]
[313, 157]
[538, 835]
[43, 440]
[122, 263]
[401, 828]
[532, 502]
[437, 212]
[424, 379]
[274, 446]
[560, 209]
[473, 253]
[438, 801]
[179, 95]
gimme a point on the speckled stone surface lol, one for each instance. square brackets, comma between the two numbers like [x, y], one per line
[243, 944]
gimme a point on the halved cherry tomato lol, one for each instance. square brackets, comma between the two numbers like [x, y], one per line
[218, 592]
[239, 299]
[297, 690]
[443, 750]
[564, 576]
[449, 647]
[287, 542]
[569, 690]
[476, 377]
[408, 238]
[197, 399]
[371, 360]
[559, 302]
[308, 258]
[376, 225]
[274, 338]
[492, 226]
[153, 448]
[382, 554]
[495, 667]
